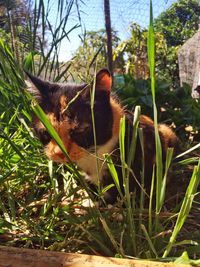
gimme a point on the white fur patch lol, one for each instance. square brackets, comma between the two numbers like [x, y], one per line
[90, 163]
[32, 89]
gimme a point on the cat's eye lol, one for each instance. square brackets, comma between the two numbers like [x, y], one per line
[80, 130]
[44, 136]
[83, 127]
[66, 114]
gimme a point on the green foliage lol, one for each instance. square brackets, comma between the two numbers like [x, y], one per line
[135, 49]
[175, 106]
[172, 28]
[179, 22]
[25, 27]
[14, 16]
[93, 49]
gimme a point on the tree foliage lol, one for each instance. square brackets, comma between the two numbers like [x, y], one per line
[93, 49]
[14, 17]
[135, 49]
[172, 28]
[179, 22]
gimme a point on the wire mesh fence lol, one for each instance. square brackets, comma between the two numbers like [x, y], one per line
[92, 18]
[75, 31]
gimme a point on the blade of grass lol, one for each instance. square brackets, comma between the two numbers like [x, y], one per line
[113, 173]
[149, 240]
[151, 60]
[103, 246]
[110, 235]
[104, 224]
[142, 181]
[188, 151]
[41, 115]
[131, 153]
[151, 201]
[125, 177]
[164, 181]
[92, 100]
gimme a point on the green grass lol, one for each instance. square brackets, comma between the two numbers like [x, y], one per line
[41, 202]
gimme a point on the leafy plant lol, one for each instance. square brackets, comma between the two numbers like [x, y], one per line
[175, 105]
[177, 24]
[93, 46]
[173, 27]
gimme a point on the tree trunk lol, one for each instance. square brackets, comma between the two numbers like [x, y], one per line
[109, 35]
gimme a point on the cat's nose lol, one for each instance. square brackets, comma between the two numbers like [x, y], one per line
[58, 152]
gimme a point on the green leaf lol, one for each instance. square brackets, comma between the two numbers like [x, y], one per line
[113, 173]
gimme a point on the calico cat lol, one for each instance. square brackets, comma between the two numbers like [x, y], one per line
[68, 108]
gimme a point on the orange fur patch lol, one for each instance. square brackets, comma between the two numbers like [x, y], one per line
[104, 81]
[74, 151]
[63, 102]
[52, 150]
[146, 120]
[170, 138]
[118, 113]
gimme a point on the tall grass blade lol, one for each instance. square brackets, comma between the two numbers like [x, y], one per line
[110, 235]
[141, 138]
[151, 51]
[131, 152]
[92, 100]
[113, 173]
[188, 151]
[151, 202]
[106, 250]
[151, 59]
[164, 181]
[122, 142]
[125, 177]
[149, 240]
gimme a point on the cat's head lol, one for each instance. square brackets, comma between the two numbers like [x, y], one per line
[68, 107]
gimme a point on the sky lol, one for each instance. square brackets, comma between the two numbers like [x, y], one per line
[123, 13]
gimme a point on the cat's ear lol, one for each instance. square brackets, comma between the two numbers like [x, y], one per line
[37, 87]
[104, 80]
